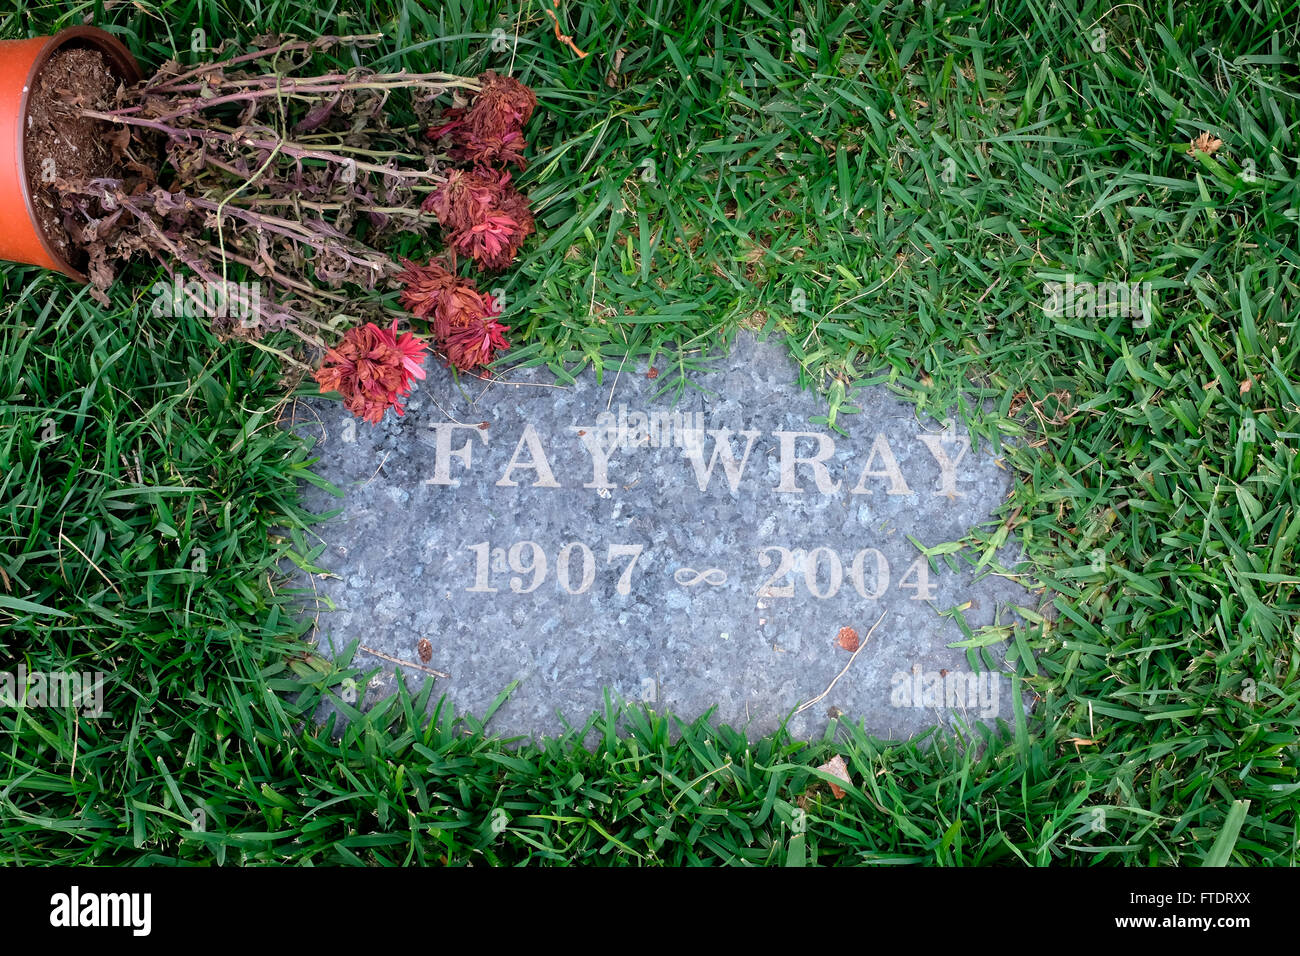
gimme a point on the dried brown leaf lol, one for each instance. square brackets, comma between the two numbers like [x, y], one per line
[838, 768]
[1205, 143]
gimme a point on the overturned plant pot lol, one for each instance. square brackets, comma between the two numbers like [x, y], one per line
[33, 233]
[279, 190]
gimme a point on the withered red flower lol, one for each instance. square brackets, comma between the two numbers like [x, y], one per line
[440, 297]
[484, 215]
[503, 104]
[477, 341]
[463, 319]
[492, 150]
[372, 369]
[491, 131]
[412, 349]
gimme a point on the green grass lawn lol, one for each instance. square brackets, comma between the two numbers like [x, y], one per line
[893, 187]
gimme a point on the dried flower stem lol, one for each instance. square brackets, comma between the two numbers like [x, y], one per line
[241, 138]
[320, 43]
[313, 90]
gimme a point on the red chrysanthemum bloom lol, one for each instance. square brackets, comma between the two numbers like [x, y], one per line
[372, 369]
[491, 131]
[491, 150]
[412, 350]
[442, 298]
[462, 198]
[503, 104]
[463, 319]
[484, 215]
[477, 341]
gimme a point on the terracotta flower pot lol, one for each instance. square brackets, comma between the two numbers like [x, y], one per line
[21, 237]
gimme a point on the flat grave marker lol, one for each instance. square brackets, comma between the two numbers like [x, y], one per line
[710, 552]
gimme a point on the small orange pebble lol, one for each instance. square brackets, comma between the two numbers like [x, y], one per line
[848, 639]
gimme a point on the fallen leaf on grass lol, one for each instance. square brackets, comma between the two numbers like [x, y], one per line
[838, 768]
[1205, 143]
[611, 77]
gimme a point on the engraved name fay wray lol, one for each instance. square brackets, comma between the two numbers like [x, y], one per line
[823, 571]
[690, 555]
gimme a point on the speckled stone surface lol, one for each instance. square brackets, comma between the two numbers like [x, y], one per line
[685, 597]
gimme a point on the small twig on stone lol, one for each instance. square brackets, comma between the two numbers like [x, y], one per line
[822, 696]
[394, 660]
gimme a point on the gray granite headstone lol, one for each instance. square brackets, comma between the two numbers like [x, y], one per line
[690, 555]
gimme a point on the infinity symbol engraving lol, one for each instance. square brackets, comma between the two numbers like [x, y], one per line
[689, 577]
